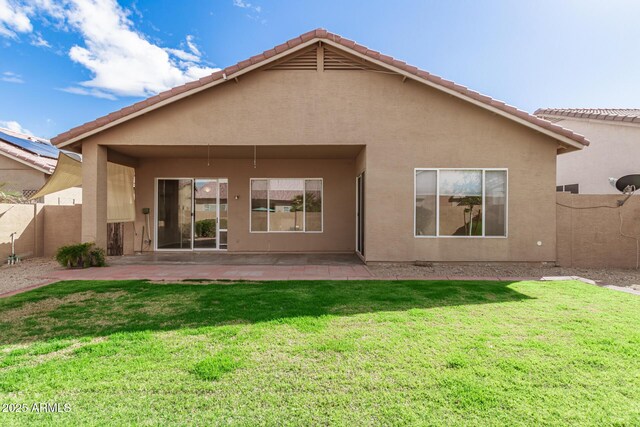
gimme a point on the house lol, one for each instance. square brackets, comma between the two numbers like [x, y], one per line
[613, 153]
[323, 145]
[26, 163]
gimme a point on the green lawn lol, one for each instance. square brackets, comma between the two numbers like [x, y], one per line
[308, 353]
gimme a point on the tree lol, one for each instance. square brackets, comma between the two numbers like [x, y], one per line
[310, 202]
[471, 202]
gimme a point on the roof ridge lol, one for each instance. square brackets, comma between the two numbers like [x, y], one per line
[320, 34]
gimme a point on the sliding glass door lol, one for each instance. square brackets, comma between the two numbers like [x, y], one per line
[191, 214]
[205, 235]
[175, 206]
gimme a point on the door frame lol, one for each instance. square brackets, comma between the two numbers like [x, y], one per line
[193, 216]
[360, 234]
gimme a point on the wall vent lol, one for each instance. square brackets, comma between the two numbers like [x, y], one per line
[334, 60]
[307, 60]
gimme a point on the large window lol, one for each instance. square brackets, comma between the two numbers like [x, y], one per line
[460, 203]
[286, 205]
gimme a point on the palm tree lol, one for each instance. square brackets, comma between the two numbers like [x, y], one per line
[471, 202]
[309, 201]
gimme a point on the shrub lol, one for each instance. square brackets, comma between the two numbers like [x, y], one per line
[97, 256]
[206, 228]
[82, 255]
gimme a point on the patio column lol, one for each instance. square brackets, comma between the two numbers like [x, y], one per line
[94, 194]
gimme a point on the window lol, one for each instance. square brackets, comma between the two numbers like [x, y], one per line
[313, 204]
[259, 205]
[426, 203]
[571, 188]
[495, 193]
[460, 203]
[286, 205]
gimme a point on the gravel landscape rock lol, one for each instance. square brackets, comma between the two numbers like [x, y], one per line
[602, 276]
[28, 273]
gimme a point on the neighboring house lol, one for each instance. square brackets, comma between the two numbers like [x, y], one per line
[323, 145]
[26, 163]
[614, 151]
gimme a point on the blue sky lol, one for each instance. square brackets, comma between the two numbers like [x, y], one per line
[65, 62]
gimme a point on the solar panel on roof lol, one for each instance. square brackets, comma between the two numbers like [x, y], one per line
[39, 148]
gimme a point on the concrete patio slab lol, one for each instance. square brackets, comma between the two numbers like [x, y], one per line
[213, 272]
[226, 258]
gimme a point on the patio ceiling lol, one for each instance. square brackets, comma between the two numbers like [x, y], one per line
[240, 151]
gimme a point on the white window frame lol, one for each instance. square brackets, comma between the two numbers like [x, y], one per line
[193, 210]
[304, 203]
[483, 170]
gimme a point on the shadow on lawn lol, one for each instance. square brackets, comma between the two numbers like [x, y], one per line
[96, 308]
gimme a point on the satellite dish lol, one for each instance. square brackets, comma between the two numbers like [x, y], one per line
[628, 181]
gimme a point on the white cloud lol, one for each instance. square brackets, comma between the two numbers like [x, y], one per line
[192, 45]
[14, 126]
[185, 56]
[13, 19]
[10, 77]
[241, 3]
[38, 41]
[246, 5]
[89, 92]
[122, 61]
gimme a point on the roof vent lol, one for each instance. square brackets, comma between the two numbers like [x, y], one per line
[307, 60]
[334, 60]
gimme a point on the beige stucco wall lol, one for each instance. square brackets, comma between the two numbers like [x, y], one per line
[70, 196]
[614, 152]
[27, 222]
[42, 229]
[591, 237]
[61, 227]
[403, 125]
[18, 176]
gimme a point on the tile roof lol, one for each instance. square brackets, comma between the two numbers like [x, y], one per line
[627, 115]
[42, 163]
[346, 44]
[23, 135]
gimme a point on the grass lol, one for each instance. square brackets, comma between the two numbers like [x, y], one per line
[307, 353]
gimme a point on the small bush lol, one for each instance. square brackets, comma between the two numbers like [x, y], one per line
[82, 255]
[98, 257]
[206, 228]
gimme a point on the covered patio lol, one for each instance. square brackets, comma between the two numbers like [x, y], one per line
[252, 199]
